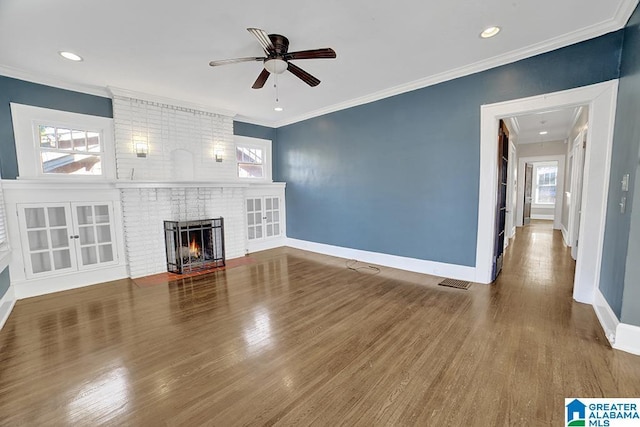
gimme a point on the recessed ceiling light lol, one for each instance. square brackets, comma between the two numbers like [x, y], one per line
[278, 109]
[489, 32]
[544, 132]
[70, 56]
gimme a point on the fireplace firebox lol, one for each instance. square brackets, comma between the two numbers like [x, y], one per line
[194, 245]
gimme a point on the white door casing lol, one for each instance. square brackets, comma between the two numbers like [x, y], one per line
[601, 99]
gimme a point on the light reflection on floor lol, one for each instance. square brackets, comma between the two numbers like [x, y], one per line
[105, 398]
[258, 334]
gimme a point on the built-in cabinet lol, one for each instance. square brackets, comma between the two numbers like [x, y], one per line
[63, 234]
[265, 217]
[66, 237]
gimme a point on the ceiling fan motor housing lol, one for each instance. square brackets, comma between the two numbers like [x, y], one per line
[280, 44]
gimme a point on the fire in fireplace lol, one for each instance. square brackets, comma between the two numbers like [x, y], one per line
[194, 245]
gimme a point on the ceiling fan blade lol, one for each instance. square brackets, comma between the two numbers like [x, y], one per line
[236, 60]
[310, 54]
[263, 38]
[303, 75]
[261, 80]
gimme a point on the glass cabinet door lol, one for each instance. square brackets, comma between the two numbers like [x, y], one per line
[95, 234]
[254, 218]
[66, 237]
[272, 216]
[48, 242]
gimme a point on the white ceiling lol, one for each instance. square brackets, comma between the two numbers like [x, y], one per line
[557, 123]
[162, 47]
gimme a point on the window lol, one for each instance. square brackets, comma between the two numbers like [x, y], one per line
[545, 188]
[253, 158]
[60, 144]
[250, 162]
[70, 151]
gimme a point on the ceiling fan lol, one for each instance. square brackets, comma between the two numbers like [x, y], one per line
[277, 58]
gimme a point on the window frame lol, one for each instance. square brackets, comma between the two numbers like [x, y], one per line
[535, 192]
[265, 146]
[26, 126]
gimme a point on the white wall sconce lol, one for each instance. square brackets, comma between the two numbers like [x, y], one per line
[142, 149]
[218, 154]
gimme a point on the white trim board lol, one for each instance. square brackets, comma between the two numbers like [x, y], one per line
[7, 302]
[627, 338]
[621, 336]
[452, 271]
[601, 99]
[565, 236]
[64, 282]
[544, 217]
[606, 316]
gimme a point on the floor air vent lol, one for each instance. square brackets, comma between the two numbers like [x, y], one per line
[458, 284]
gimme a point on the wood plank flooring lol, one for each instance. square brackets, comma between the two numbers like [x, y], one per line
[299, 339]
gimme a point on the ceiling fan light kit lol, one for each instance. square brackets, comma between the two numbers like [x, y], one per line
[276, 65]
[276, 61]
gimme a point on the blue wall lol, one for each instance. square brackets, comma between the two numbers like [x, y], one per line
[22, 92]
[400, 175]
[626, 142]
[4, 282]
[254, 131]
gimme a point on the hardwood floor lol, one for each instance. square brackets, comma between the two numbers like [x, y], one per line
[298, 339]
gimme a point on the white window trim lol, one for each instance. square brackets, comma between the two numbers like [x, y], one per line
[536, 165]
[265, 146]
[26, 120]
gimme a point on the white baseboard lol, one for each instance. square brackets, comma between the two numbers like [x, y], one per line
[433, 268]
[263, 245]
[7, 302]
[628, 338]
[540, 216]
[565, 236]
[608, 320]
[622, 336]
[47, 285]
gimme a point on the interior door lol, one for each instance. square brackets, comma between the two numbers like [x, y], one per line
[575, 212]
[501, 200]
[528, 185]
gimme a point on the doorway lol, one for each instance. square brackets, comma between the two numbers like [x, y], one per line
[601, 99]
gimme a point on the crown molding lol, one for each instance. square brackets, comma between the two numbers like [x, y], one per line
[127, 93]
[254, 121]
[16, 73]
[624, 11]
[618, 21]
[515, 125]
[576, 116]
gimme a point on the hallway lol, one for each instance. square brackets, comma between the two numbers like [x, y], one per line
[296, 338]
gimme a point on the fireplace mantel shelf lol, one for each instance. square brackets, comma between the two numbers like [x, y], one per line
[193, 184]
[73, 184]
